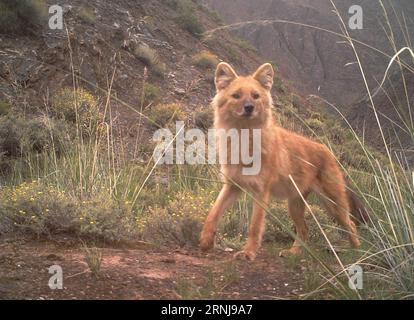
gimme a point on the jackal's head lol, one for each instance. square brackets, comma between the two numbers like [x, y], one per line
[243, 101]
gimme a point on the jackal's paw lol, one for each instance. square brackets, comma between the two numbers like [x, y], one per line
[206, 242]
[294, 251]
[248, 255]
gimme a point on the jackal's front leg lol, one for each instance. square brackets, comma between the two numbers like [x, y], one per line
[256, 229]
[226, 198]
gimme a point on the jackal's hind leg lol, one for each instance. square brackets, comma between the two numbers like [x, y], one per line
[296, 208]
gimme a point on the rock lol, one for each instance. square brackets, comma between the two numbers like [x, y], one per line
[168, 260]
[3, 70]
[67, 8]
[179, 91]
[53, 257]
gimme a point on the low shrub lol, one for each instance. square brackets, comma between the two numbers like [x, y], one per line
[204, 118]
[19, 136]
[5, 107]
[87, 15]
[164, 114]
[77, 106]
[187, 18]
[352, 155]
[33, 209]
[150, 58]
[315, 125]
[245, 45]
[179, 222]
[205, 60]
[152, 94]
[278, 82]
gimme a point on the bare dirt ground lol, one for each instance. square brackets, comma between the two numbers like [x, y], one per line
[140, 273]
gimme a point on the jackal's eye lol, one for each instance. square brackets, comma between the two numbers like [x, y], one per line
[255, 96]
[236, 96]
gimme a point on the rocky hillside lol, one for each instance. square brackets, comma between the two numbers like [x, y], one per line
[109, 43]
[316, 61]
[393, 111]
[79, 187]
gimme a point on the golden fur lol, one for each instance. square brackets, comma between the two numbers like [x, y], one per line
[284, 155]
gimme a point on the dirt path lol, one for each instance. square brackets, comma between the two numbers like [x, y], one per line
[141, 273]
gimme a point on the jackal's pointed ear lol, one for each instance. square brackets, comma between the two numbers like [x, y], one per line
[265, 75]
[225, 74]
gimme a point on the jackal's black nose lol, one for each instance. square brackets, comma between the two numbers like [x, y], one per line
[248, 109]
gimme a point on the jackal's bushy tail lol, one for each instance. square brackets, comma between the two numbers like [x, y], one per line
[358, 211]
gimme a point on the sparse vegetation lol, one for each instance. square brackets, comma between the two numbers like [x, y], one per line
[204, 118]
[5, 107]
[164, 114]
[20, 136]
[315, 125]
[205, 60]
[245, 45]
[93, 258]
[277, 80]
[152, 94]
[178, 222]
[23, 16]
[36, 209]
[173, 229]
[214, 14]
[233, 53]
[87, 15]
[76, 106]
[211, 286]
[187, 18]
[150, 58]
[278, 83]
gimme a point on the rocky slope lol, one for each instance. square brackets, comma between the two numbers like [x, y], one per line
[392, 107]
[102, 38]
[321, 63]
[314, 60]
[101, 41]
